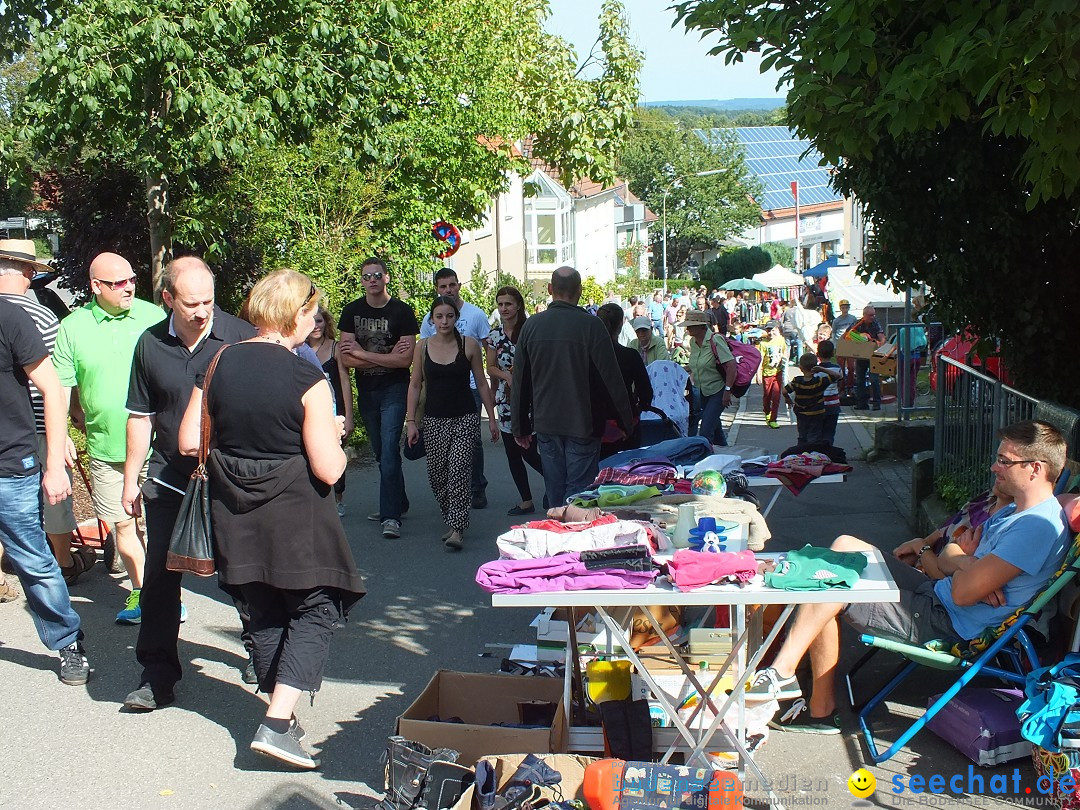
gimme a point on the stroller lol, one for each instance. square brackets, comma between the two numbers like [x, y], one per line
[668, 417]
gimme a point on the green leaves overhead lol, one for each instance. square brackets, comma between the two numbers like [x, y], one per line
[954, 125]
[860, 70]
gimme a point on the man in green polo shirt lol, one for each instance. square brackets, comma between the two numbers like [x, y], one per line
[93, 353]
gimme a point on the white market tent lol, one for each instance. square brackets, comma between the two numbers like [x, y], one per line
[779, 278]
[843, 283]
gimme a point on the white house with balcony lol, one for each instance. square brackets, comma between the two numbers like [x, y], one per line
[584, 226]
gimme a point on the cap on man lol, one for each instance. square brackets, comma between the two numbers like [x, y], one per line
[647, 344]
[93, 353]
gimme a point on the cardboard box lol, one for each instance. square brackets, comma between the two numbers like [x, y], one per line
[570, 766]
[481, 700]
[883, 361]
[861, 349]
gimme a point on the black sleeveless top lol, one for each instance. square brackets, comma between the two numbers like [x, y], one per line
[448, 391]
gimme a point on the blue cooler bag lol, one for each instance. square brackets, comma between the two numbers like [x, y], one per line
[982, 723]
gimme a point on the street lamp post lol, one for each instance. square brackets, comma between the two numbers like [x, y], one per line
[663, 225]
[663, 213]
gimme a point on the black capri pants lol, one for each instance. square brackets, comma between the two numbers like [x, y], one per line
[290, 632]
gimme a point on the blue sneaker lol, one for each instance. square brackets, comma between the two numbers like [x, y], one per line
[183, 613]
[132, 613]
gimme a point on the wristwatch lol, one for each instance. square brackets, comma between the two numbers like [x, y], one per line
[922, 551]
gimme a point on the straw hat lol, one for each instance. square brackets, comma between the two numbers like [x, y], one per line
[696, 317]
[22, 250]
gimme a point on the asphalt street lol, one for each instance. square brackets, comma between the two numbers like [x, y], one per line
[73, 746]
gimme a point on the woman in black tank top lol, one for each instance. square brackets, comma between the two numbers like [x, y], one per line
[441, 366]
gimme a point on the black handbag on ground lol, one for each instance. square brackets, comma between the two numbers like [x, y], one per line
[191, 547]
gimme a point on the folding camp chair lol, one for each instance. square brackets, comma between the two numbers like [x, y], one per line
[979, 656]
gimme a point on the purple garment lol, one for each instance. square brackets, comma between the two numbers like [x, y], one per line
[563, 572]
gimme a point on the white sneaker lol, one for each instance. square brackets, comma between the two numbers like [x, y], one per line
[391, 528]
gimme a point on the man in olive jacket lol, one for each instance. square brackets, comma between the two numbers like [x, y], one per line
[566, 384]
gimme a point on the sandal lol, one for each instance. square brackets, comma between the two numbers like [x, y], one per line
[77, 568]
[88, 555]
[8, 592]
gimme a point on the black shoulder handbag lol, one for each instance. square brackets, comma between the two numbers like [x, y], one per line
[191, 547]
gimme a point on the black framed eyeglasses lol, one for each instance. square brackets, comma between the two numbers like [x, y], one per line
[310, 295]
[1001, 461]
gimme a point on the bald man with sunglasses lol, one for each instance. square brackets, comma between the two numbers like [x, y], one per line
[93, 354]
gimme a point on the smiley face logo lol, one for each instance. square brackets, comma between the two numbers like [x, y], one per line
[861, 783]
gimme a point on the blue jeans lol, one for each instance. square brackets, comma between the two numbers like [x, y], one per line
[28, 549]
[705, 421]
[570, 465]
[479, 482]
[383, 410]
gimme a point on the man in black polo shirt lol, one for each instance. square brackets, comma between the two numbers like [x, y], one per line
[168, 357]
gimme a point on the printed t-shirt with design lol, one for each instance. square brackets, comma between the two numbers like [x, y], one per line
[377, 330]
[817, 569]
[47, 327]
[94, 351]
[20, 345]
[773, 355]
[809, 393]
[1035, 541]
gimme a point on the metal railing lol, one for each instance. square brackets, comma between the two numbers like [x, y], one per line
[971, 408]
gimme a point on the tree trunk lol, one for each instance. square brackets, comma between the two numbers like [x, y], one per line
[159, 218]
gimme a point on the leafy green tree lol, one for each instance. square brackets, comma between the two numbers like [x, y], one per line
[735, 263]
[779, 253]
[325, 205]
[954, 126]
[663, 161]
[173, 87]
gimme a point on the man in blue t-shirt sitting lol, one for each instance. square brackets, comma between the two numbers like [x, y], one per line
[951, 595]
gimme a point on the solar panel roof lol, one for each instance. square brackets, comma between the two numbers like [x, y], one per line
[774, 155]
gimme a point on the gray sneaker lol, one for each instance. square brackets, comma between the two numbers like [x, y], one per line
[74, 668]
[767, 685]
[284, 747]
[391, 528]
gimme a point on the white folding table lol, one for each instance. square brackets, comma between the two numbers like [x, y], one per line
[874, 585]
[778, 486]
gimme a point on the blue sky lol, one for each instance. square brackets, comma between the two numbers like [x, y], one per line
[677, 64]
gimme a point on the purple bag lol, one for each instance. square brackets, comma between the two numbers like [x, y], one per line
[982, 724]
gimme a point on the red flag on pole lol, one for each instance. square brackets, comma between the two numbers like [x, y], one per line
[795, 189]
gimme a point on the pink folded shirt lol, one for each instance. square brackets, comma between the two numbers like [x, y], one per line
[696, 569]
[563, 572]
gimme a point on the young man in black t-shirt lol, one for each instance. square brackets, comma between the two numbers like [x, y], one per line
[378, 334]
[24, 359]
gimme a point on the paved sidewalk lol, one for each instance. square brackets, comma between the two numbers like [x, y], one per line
[423, 612]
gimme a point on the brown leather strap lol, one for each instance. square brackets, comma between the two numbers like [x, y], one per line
[204, 440]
